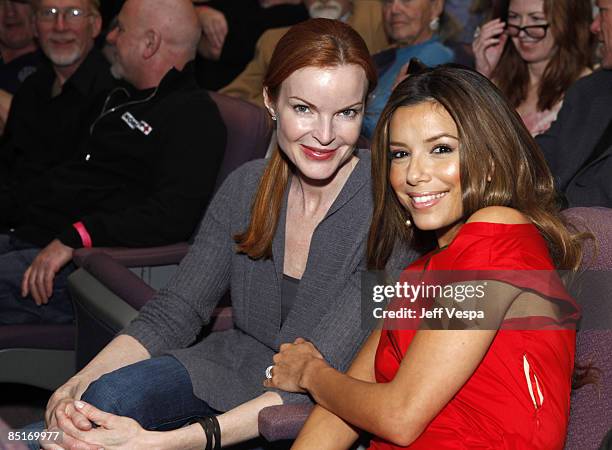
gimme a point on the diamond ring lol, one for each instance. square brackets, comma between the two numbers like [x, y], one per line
[269, 372]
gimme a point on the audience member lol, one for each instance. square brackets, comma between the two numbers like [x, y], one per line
[414, 27]
[53, 109]
[287, 237]
[470, 15]
[365, 16]
[142, 176]
[231, 29]
[18, 51]
[578, 146]
[18, 48]
[453, 161]
[544, 47]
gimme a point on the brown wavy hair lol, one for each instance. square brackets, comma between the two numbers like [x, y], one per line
[492, 139]
[313, 43]
[569, 23]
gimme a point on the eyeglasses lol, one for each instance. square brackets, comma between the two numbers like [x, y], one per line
[70, 14]
[533, 31]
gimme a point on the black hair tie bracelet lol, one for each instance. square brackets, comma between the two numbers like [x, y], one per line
[212, 430]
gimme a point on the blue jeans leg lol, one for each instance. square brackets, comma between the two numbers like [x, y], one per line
[157, 393]
[36, 427]
[15, 258]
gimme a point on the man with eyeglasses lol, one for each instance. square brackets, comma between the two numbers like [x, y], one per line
[578, 146]
[52, 110]
[18, 51]
[144, 171]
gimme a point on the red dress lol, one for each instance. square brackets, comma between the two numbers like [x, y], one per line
[518, 397]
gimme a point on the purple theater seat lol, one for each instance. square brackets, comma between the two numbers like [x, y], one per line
[591, 406]
[249, 131]
[598, 221]
[123, 283]
[49, 337]
[133, 257]
[279, 423]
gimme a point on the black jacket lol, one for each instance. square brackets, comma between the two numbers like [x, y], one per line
[44, 131]
[15, 72]
[144, 175]
[581, 166]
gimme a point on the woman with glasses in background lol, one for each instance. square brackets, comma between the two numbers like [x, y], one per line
[536, 55]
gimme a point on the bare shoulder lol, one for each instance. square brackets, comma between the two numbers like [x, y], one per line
[499, 214]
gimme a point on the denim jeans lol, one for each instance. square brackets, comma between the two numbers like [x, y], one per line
[15, 258]
[156, 392]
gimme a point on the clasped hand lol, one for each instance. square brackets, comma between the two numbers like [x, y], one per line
[113, 432]
[291, 365]
[215, 28]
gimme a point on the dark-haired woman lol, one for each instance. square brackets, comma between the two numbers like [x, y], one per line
[455, 162]
[536, 55]
[287, 237]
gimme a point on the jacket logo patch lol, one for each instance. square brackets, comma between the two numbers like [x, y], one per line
[134, 124]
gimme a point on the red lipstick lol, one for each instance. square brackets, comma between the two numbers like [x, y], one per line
[318, 154]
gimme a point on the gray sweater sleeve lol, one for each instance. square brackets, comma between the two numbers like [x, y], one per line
[174, 318]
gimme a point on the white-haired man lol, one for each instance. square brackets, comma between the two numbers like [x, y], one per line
[53, 108]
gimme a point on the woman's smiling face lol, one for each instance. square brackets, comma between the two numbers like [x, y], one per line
[319, 113]
[523, 13]
[424, 173]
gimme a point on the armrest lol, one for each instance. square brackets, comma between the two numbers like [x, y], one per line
[118, 279]
[135, 292]
[136, 257]
[282, 422]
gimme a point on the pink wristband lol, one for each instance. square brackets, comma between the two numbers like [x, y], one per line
[85, 237]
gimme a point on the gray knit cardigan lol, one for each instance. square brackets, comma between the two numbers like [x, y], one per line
[227, 368]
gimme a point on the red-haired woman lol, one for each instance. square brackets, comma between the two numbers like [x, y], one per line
[286, 236]
[536, 55]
